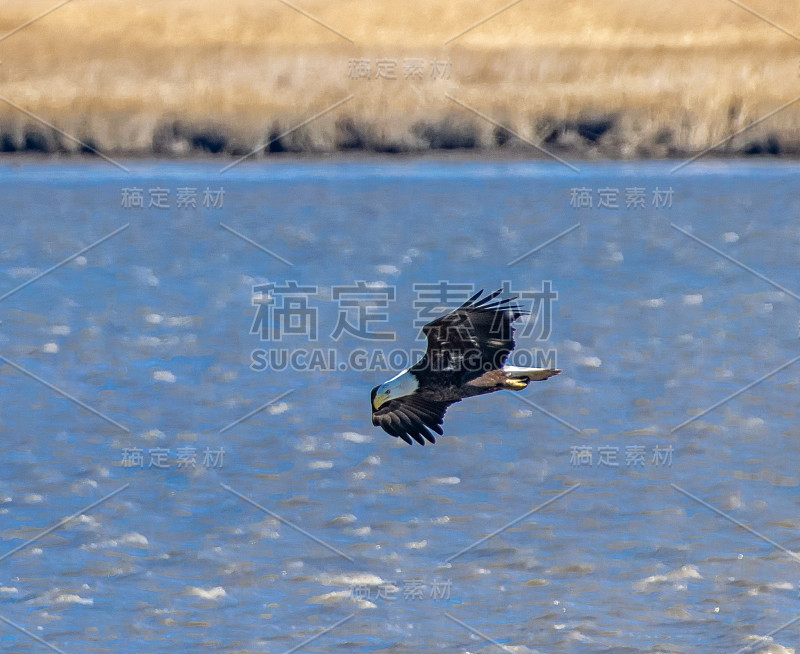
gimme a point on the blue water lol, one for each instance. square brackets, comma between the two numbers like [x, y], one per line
[325, 522]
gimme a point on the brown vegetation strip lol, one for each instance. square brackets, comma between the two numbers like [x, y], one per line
[620, 79]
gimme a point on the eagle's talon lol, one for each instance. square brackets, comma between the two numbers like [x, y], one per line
[516, 384]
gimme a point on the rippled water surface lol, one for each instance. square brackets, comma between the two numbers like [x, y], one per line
[303, 521]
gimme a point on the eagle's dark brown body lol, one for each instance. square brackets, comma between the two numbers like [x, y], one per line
[466, 356]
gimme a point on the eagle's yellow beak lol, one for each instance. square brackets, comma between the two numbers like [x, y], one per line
[380, 398]
[398, 386]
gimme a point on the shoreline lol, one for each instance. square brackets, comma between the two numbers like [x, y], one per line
[434, 156]
[568, 143]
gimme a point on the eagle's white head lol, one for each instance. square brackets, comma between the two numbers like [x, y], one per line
[400, 385]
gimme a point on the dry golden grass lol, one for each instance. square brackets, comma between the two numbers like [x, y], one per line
[670, 77]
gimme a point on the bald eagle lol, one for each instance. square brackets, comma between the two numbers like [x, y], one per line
[466, 356]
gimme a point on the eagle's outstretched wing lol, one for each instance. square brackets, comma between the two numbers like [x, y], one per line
[477, 336]
[411, 416]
